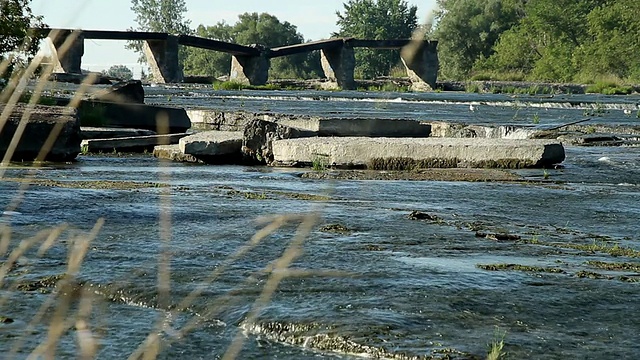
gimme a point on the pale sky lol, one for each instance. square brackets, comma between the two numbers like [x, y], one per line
[315, 20]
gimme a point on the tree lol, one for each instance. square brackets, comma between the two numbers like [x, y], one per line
[16, 18]
[120, 72]
[377, 20]
[252, 28]
[468, 29]
[159, 16]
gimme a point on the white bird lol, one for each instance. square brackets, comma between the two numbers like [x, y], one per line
[627, 112]
[471, 107]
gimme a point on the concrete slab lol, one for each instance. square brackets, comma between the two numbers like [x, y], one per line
[411, 153]
[357, 127]
[133, 143]
[110, 133]
[173, 153]
[212, 143]
[140, 116]
[202, 119]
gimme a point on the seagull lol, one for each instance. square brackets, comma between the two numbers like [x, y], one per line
[627, 112]
[471, 107]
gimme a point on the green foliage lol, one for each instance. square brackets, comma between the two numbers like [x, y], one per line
[253, 28]
[119, 72]
[468, 29]
[546, 40]
[609, 87]
[377, 20]
[16, 18]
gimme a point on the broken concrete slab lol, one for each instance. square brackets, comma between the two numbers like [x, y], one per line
[42, 122]
[203, 119]
[161, 119]
[357, 127]
[212, 144]
[130, 144]
[110, 133]
[260, 134]
[173, 153]
[412, 153]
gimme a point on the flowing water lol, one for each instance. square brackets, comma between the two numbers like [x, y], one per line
[385, 285]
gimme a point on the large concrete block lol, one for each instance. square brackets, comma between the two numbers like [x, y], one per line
[212, 143]
[133, 143]
[409, 153]
[160, 119]
[42, 122]
[358, 127]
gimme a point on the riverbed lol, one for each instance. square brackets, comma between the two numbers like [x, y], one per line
[391, 269]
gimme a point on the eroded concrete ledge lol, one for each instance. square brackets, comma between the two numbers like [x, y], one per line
[412, 153]
[214, 147]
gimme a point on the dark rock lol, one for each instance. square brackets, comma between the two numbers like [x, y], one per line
[78, 78]
[260, 134]
[43, 120]
[419, 215]
[497, 236]
[130, 92]
[5, 320]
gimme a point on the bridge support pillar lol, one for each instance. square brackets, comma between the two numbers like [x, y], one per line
[338, 64]
[250, 70]
[420, 58]
[162, 57]
[67, 48]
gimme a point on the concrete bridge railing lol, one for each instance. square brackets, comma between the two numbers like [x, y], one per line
[250, 64]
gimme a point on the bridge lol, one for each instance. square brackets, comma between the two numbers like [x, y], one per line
[250, 64]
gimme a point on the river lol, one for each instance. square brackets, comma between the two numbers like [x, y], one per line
[370, 279]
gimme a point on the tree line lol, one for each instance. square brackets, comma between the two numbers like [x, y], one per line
[543, 40]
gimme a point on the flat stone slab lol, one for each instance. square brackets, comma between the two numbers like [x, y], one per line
[357, 127]
[130, 143]
[204, 119]
[413, 153]
[111, 133]
[140, 116]
[173, 153]
[212, 143]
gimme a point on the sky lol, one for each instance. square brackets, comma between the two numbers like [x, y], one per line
[315, 20]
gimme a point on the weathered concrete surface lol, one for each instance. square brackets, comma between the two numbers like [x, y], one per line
[134, 143]
[260, 134]
[206, 120]
[408, 153]
[251, 70]
[89, 133]
[42, 123]
[173, 153]
[162, 57]
[338, 64]
[212, 143]
[236, 121]
[457, 130]
[356, 127]
[156, 118]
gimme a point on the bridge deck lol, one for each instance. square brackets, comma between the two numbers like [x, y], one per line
[305, 47]
[111, 34]
[210, 44]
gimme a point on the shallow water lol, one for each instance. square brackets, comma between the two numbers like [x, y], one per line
[390, 287]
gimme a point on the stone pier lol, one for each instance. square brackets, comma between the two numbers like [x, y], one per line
[251, 70]
[420, 58]
[162, 57]
[67, 48]
[338, 64]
